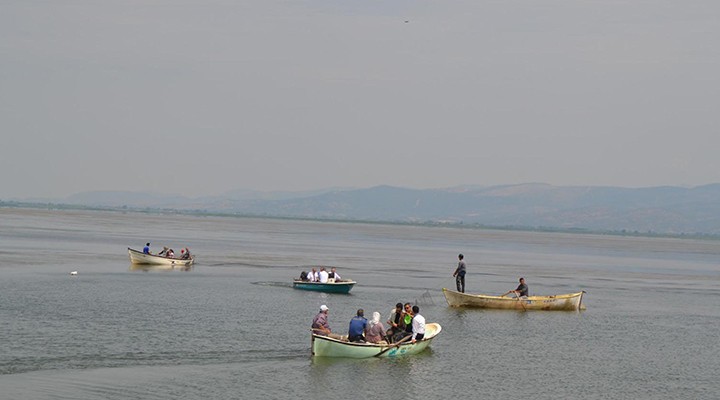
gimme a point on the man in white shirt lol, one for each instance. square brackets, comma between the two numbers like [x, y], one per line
[418, 325]
[313, 275]
[323, 275]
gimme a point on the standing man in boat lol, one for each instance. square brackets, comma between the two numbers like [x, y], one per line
[146, 249]
[459, 274]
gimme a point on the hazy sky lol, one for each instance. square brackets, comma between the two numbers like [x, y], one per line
[204, 96]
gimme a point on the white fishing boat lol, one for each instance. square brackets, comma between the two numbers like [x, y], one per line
[138, 257]
[324, 346]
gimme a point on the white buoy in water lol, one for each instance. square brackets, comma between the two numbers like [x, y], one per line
[73, 273]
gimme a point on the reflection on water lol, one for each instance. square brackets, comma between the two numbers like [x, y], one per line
[275, 284]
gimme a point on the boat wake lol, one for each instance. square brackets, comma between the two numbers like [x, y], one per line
[275, 284]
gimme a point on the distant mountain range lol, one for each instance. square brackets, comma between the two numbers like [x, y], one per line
[659, 210]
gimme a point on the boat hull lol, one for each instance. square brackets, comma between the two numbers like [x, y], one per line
[138, 257]
[159, 267]
[323, 346]
[560, 302]
[342, 287]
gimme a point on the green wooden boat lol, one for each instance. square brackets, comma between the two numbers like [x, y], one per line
[343, 286]
[324, 346]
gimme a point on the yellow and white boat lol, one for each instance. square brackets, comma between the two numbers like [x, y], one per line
[560, 302]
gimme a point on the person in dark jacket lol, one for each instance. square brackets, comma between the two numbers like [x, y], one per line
[459, 274]
[358, 325]
[395, 322]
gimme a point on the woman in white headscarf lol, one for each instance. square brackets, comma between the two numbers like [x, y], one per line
[375, 331]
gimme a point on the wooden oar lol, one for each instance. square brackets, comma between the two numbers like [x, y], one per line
[523, 305]
[405, 339]
[521, 302]
[318, 331]
[327, 333]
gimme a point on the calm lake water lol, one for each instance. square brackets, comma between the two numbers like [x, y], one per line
[233, 327]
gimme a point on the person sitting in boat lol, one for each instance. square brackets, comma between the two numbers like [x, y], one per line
[320, 324]
[395, 322]
[164, 251]
[358, 324]
[185, 254]
[334, 275]
[323, 275]
[520, 291]
[304, 276]
[375, 332]
[313, 275]
[407, 318]
[146, 249]
[170, 253]
[418, 325]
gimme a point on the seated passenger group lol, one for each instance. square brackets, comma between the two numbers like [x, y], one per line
[168, 253]
[321, 276]
[405, 324]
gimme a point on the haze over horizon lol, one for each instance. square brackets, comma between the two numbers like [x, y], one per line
[204, 97]
[88, 197]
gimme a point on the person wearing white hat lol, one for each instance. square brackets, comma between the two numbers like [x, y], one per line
[320, 324]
